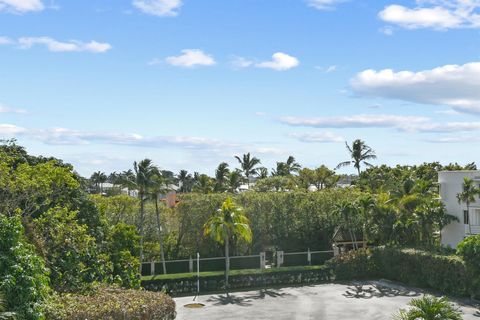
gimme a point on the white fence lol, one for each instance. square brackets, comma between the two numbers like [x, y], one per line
[259, 261]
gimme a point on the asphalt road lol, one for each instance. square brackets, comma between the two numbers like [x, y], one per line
[357, 301]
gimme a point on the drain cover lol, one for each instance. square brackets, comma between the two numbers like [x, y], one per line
[194, 305]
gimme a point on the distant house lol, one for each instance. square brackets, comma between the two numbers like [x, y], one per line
[451, 184]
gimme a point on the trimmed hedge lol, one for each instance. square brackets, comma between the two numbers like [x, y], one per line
[110, 304]
[446, 273]
[243, 280]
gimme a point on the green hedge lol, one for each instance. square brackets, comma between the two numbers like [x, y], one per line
[112, 304]
[240, 279]
[446, 273]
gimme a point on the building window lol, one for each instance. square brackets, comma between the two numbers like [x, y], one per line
[466, 218]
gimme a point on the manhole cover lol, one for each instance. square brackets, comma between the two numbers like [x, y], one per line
[194, 305]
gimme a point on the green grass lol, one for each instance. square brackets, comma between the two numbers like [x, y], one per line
[232, 273]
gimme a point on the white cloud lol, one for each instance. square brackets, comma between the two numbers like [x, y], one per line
[355, 121]
[7, 109]
[69, 46]
[240, 62]
[388, 31]
[63, 136]
[5, 41]
[410, 124]
[455, 139]
[280, 62]
[318, 137]
[436, 14]
[158, 7]
[191, 58]
[21, 6]
[324, 4]
[328, 69]
[457, 86]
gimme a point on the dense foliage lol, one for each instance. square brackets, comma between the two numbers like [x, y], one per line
[23, 276]
[109, 304]
[444, 272]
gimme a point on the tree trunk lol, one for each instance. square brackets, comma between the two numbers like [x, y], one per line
[227, 262]
[468, 216]
[142, 220]
[160, 238]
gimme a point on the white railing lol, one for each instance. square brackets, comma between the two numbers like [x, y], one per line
[474, 229]
[199, 264]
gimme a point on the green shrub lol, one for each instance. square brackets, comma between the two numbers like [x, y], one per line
[23, 276]
[123, 255]
[447, 273]
[429, 307]
[469, 250]
[112, 304]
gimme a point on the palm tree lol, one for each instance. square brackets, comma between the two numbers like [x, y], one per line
[142, 180]
[360, 153]
[248, 165]
[429, 308]
[234, 180]
[227, 223]
[262, 173]
[97, 179]
[347, 210]
[159, 187]
[467, 196]
[366, 205]
[185, 180]
[221, 175]
[203, 184]
[287, 168]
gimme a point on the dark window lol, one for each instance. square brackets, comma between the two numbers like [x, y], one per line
[466, 218]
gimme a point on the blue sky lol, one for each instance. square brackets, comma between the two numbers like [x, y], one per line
[193, 83]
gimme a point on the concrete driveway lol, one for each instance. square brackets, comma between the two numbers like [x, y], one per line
[357, 301]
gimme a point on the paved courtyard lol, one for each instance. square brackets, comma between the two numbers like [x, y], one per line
[357, 301]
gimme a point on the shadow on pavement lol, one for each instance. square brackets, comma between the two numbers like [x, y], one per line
[245, 301]
[369, 291]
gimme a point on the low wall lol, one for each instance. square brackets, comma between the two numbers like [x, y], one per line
[268, 278]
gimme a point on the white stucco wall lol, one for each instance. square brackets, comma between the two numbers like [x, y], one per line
[451, 183]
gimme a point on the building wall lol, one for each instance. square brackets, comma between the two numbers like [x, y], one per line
[451, 183]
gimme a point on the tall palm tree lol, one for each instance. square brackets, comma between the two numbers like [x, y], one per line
[467, 196]
[348, 210]
[97, 179]
[360, 153]
[248, 165]
[142, 180]
[287, 168]
[185, 180]
[227, 223]
[203, 184]
[234, 180]
[262, 173]
[221, 175]
[159, 187]
[366, 205]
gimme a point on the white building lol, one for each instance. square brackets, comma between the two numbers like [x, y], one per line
[451, 184]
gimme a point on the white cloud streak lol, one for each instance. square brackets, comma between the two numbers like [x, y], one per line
[435, 14]
[411, 124]
[324, 4]
[21, 6]
[191, 58]
[161, 8]
[456, 86]
[66, 46]
[317, 137]
[7, 109]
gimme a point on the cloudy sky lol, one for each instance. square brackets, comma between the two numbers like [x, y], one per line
[191, 83]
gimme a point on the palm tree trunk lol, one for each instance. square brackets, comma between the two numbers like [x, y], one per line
[468, 216]
[227, 262]
[160, 238]
[142, 220]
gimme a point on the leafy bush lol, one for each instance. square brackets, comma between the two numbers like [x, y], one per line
[23, 276]
[429, 307]
[447, 273]
[469, 250]
[123, 254]
[111, 304]
[71, 253]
